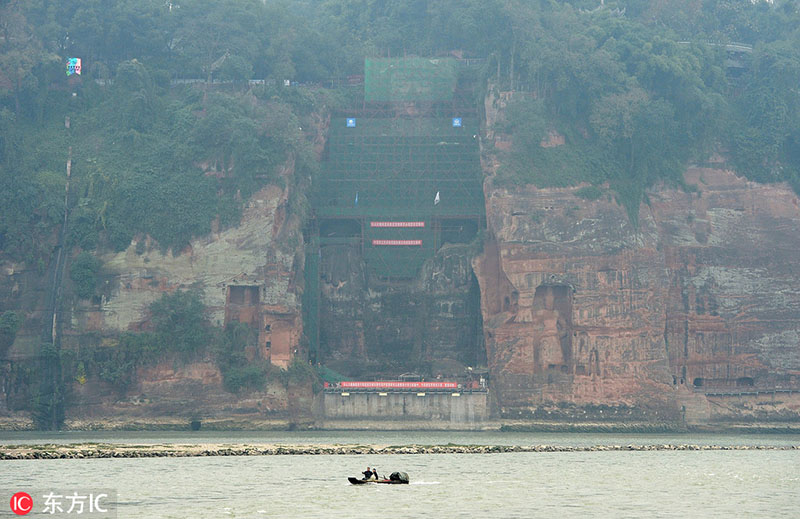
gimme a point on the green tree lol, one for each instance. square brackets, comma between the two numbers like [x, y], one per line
[83, 273]
[213, 33]
[180, 322]
[239, 373]
[764, 142]
[10, 323]
[20, 54]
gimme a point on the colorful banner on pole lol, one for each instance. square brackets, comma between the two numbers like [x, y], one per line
[73, 66]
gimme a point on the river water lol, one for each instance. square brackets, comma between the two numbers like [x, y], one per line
[747, 483]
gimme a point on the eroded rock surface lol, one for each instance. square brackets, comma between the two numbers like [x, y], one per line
[433, 320]
[674, 319]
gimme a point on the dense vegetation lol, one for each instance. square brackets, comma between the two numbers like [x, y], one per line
[9, 325]
[83, 273]
[181, 332]
[633, 85]
[147, 159]
[639, 95]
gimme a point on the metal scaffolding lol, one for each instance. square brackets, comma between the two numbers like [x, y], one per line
[409, 79]
[409, 155]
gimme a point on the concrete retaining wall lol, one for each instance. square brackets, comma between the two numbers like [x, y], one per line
[466, 408]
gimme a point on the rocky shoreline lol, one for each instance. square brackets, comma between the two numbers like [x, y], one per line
[84, 451]
[518, 426]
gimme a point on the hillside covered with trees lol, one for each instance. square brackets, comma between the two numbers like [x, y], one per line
[638, 88]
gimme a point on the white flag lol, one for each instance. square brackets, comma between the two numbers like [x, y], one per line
[436, 200]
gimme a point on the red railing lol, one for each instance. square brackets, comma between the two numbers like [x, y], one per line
[397, 384]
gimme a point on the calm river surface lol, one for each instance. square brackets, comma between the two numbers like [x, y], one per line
[650, 484]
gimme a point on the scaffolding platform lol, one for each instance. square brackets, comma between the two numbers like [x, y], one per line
[409, 153]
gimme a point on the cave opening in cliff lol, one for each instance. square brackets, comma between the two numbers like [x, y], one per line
[243, 295]
[242, 304]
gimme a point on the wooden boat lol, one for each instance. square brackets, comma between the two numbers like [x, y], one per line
[356, 481]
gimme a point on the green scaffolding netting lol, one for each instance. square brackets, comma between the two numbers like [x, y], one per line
[397, 166]
[409, 79]
[399, 169]
[329, 375]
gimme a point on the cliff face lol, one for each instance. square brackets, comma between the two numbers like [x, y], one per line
[431, 323]
[733, 320]
[694, 314]
[248, 273]
[696, 306]
[251, 273]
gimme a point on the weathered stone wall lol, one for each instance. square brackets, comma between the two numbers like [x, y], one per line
[694, 314]
[465, 409]
[262, 255]
[732, 254]
[247, 273]
[245, 255]
[260, 259]
[582, 308]
[23, 290]
[576, 310]
[175, 391]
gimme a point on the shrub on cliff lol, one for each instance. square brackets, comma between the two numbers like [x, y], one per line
[180, 322]
[118, 365]
[114, 364]
[83, 273]
[9, 325]
[589, 193]
[301, 373]
[239, 373]
[48, 397]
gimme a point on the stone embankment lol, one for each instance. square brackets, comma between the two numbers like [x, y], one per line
[181, 451]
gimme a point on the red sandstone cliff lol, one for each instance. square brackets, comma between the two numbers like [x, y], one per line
[695, 313]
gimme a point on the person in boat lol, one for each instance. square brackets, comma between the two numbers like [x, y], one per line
[367, 474]
[375, 473]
